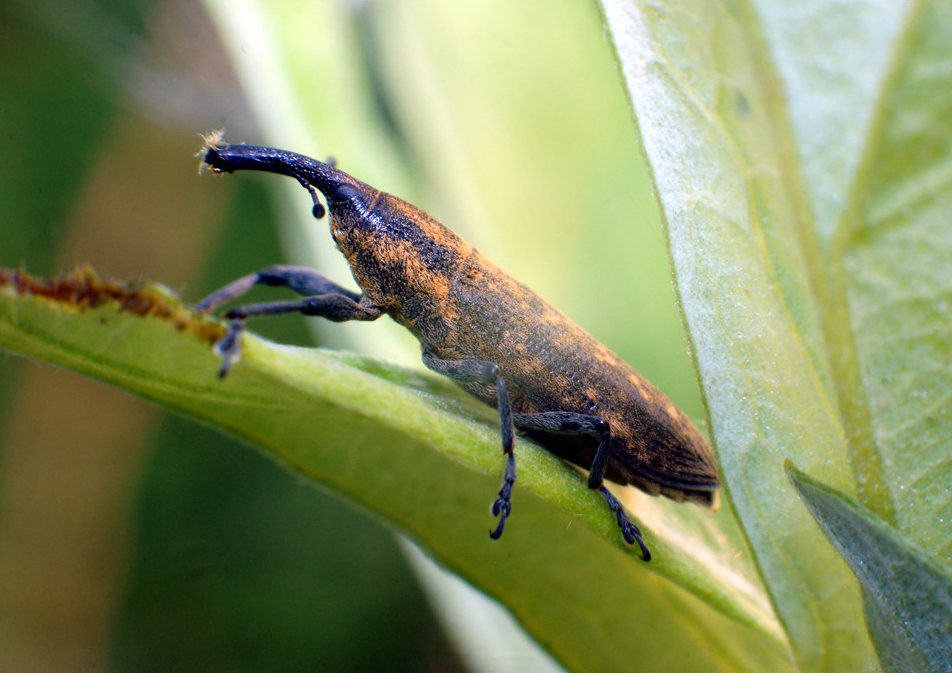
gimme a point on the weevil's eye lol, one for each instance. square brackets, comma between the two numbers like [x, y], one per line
[344, 192]
[318, 211]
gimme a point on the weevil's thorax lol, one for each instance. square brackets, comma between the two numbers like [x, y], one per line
[401, 257]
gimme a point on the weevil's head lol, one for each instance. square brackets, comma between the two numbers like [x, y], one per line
[389, 243]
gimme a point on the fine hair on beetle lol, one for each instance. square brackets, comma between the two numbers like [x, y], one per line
[548, 378]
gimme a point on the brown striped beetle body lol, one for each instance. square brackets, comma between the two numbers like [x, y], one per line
[500, 341]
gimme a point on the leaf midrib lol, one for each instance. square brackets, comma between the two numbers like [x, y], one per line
[866, 458]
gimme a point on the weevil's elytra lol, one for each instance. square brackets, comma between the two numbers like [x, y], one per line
[500, 341]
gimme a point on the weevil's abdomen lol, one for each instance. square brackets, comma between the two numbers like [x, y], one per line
[551, 363]
[462, 306]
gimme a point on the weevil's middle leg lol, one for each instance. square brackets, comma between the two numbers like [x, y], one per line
[329, 300]
[470, 371]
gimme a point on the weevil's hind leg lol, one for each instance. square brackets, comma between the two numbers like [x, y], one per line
[572, 423]
[629, 531]
[329, 300]
[470, 371]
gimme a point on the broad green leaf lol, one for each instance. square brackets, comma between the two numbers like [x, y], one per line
[800, 153]
[876, 161]
[417, 451]
[896, 244]
[908, 600]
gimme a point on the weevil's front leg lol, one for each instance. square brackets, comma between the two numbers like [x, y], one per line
[302, 280]
[573, 423]
[472, 371]
[329, 300]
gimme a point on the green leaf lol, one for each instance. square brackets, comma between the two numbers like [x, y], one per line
[801, 153]
[419, 452]
[876, 162]
[908, 600]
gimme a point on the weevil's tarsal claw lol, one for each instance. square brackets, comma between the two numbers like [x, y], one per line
[630, 532]
[229, 348]
[645, 554]
[502, 506]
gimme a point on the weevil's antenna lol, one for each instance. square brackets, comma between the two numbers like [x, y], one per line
[318, 210]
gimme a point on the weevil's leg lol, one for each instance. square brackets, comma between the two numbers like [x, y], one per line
[334, 307]
[480, 371]
[300, 279]
[572, 423]
[628, 530]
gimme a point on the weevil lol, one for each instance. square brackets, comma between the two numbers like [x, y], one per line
[496, 338]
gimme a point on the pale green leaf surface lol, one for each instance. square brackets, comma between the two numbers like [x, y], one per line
[417, 451]
[870, 105]
[908, 600]
[896, 247]
[706, 109]
[801, 156]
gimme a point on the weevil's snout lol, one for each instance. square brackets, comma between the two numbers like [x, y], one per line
[229, 158]
[336, 186]
[213, 159]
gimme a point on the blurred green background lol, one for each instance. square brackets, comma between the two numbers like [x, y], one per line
[131, 540]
